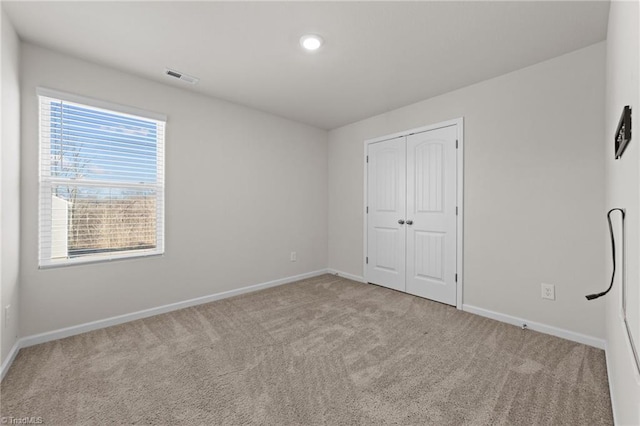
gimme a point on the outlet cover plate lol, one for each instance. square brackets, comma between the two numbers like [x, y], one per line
[548, 291]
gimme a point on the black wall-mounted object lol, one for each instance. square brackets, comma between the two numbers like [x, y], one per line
[623, 132]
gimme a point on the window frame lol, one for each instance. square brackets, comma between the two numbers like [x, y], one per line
[46, 182]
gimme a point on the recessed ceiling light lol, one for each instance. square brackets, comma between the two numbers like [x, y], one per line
[311, 42]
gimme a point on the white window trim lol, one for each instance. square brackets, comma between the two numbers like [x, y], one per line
[96, 103]
[160, 228]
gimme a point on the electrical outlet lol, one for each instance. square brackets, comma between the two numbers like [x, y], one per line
[294, 256]
[548, 291]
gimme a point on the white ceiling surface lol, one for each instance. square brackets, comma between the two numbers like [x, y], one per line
[377, 56]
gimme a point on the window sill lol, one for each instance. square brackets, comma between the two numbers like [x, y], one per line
[99, 259]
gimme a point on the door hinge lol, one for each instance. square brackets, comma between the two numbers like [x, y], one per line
[456, 143]
[456, 210]
[367, 158]
[456, 277]
[367, 209]
[367, 260]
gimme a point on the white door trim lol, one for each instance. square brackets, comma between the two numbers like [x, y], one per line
[459, 123]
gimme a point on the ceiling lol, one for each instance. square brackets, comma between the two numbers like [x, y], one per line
[377, 56]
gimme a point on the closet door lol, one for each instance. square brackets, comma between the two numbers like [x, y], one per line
[431, 214]
[386, 187]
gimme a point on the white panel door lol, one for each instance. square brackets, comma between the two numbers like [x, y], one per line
[431, 214]
[386, 187]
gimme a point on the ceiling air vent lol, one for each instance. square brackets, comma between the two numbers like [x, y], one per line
[180, 76]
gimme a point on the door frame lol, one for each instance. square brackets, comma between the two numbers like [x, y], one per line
[459, 123]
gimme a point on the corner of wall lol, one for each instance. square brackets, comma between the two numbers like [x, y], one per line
[623, 190]
[9, 192]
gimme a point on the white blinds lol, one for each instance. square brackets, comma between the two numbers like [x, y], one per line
[101, 182]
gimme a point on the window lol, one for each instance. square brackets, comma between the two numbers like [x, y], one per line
[101, 181]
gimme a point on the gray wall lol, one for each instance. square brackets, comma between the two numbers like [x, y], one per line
[623, 190]
[534, 188]
[243, 190]
[9, 187]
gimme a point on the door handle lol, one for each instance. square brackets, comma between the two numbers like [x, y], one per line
[409, 222]
[401, 222]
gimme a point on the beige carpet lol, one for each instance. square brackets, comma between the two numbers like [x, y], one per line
[320, 351]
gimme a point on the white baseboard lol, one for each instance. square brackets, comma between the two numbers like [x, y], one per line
[108, 322]
[609, 378]
[536, 326]
[9, 359]
[346, 275]
[120, 319]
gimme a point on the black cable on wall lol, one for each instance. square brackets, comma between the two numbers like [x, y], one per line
[613, 253]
